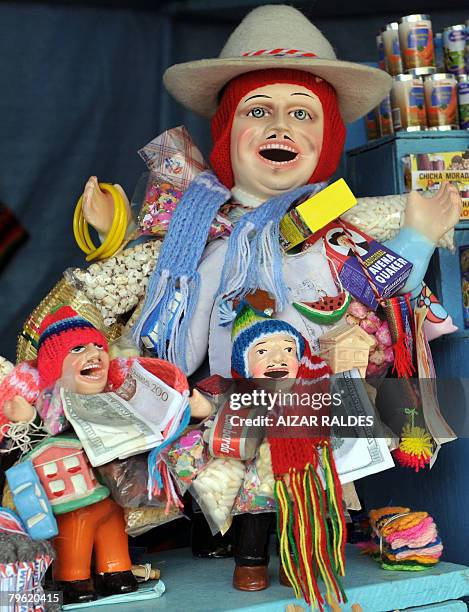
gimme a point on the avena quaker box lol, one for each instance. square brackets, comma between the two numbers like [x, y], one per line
[386, 269]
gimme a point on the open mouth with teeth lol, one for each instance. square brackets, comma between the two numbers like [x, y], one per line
[92, 371]
[276, 374]
[278, 153]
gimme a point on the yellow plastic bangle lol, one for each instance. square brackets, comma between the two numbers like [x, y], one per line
[112, 241]
[117, 231]
[115, 235]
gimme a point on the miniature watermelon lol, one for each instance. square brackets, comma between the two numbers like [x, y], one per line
[329, 309]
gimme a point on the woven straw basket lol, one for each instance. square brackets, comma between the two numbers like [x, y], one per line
[62, 293]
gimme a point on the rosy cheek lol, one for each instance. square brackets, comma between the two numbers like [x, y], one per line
[71, 366]
[245, 136]
[257, 366]
[257, 370]
[293, 368]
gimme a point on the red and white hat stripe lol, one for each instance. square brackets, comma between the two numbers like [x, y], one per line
[279, 53]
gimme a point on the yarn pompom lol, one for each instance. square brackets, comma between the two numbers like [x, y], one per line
[415, 448]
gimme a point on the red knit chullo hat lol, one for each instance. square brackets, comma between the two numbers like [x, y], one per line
[334, 128]
[61, 331]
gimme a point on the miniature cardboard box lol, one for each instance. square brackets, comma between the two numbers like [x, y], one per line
[387, 270]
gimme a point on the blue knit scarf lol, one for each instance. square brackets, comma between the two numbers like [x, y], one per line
[253, 260]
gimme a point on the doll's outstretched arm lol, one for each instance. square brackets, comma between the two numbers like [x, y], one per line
[426, 221]
[98, 206]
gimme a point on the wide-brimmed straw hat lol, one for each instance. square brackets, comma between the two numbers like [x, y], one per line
[277, 36]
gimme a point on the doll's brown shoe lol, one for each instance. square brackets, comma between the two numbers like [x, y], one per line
[251, 578]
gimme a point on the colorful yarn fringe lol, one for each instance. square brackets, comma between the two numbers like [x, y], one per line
[404, 540]
[399, 316]
[309, 546]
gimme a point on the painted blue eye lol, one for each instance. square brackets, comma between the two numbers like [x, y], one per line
[257, 112]
[301, 114]
[78, 349]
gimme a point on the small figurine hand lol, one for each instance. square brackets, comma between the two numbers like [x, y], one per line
[201, 407]
[98, 206]
[18, 410]
[433, 217]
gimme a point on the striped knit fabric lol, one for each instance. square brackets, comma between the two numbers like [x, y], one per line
[248, 327]
[23, 380]
[61, 331]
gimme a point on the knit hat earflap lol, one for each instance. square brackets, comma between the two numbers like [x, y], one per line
[249, 326]
[334, 129]
[59, 332]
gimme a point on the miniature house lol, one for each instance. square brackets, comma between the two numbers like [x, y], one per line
[66, 474]
[346, 347]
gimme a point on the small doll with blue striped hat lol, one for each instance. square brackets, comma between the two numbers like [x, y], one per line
[269, 348]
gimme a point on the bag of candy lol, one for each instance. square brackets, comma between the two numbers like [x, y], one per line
[187, 456]
[127, 480]
[141, 520]
[257, 491]
[215, 490]
[159, 203]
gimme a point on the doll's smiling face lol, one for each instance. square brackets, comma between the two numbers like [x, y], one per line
[276, 139]
[273, 357]
[85, 369]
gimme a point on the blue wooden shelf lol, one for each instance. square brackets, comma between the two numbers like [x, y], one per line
[204, 585]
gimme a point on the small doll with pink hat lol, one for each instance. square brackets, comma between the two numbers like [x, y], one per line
[73, 354]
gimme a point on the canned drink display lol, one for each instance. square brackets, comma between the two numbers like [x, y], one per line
[371, 126]
[408, 103]
[380, 47]
[454, 42]
[384, 118]
[463, 101]
[439, 52]
[392, 49]
[416, 41]
[441, 101]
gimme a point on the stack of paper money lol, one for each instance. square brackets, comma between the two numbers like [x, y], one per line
[117, 425]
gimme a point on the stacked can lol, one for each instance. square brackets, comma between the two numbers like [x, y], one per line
[371, 125]
[463, 101]
[441, 101]
[454, 42]
[380, 47]
[408, 103]
[416, 41]
[391, 48]
[383, 117]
